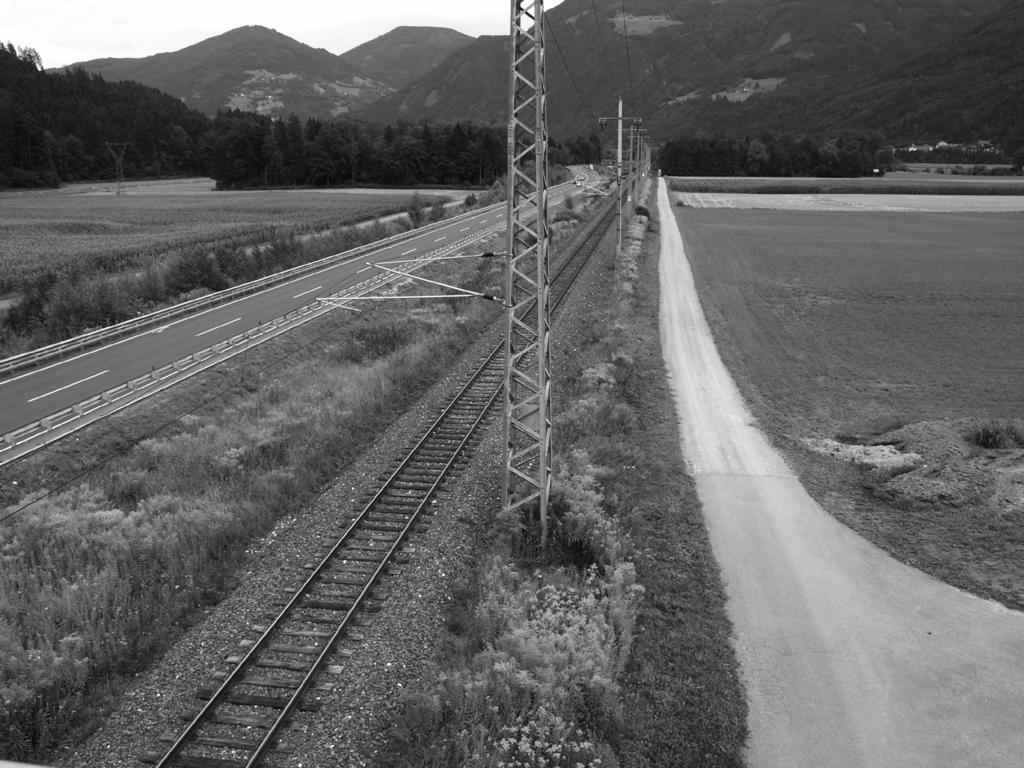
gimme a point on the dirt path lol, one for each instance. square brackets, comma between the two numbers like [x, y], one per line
[849, 657]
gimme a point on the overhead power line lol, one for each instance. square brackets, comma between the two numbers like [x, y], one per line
[561, 56]
[629, 63]
[604, 45]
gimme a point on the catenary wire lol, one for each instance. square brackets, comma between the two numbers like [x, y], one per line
[561, 56]
[629, 63]
[604, 45]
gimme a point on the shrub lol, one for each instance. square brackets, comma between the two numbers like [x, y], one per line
[551, 645]
[580, 524]
[567, 215]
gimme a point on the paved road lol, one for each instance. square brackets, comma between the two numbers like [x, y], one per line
[850, 659]
[30, 396]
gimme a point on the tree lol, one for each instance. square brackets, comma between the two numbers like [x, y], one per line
[416, 210]
[757, 158]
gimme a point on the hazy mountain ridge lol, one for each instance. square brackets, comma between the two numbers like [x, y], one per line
[251, 68]
[404, 54]
[464, 87]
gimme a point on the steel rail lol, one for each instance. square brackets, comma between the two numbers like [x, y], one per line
[314, 578]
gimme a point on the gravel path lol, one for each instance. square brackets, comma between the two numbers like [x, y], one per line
[397, 644]
[850, 658]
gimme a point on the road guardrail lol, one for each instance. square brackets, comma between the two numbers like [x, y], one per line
[94, 338]
[30, 438]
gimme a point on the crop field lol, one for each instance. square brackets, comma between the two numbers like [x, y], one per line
[900, 183]
[87, 227]
[884, 327]
[853, 201]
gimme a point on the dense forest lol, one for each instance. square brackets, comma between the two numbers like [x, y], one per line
[861, 153]
[248, 150]
[55, 127]
[68, 126]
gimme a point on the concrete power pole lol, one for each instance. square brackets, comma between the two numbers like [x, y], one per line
[619, 166]
[618, 183]
[527, 346]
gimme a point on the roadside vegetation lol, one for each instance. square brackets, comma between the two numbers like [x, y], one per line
[610, 646]
[97, 576]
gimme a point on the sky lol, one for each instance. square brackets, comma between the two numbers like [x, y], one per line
[67, 31]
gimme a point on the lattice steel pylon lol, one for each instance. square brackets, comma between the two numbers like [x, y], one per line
[117, 152]
[527, 345]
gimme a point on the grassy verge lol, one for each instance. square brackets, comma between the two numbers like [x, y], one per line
[554, 654]
[682, 688]
[96, 577]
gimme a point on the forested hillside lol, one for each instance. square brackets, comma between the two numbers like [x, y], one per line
[55, 127]
[917, 71]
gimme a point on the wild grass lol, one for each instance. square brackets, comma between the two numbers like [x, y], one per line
[997, 436]
[94, 579]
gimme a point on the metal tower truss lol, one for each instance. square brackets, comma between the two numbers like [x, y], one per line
[527, 379]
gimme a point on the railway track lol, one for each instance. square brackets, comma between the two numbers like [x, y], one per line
[247, 708]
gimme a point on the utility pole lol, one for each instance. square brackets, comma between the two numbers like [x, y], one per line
[618, 186]
[527, 344]
[117, 152]
[636, 150]
[601, 121]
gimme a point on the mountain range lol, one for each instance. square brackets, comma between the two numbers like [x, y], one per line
[911, 68]
[257, 69]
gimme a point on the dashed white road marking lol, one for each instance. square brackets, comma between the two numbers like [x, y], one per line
[68, 386]
[217, 327]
